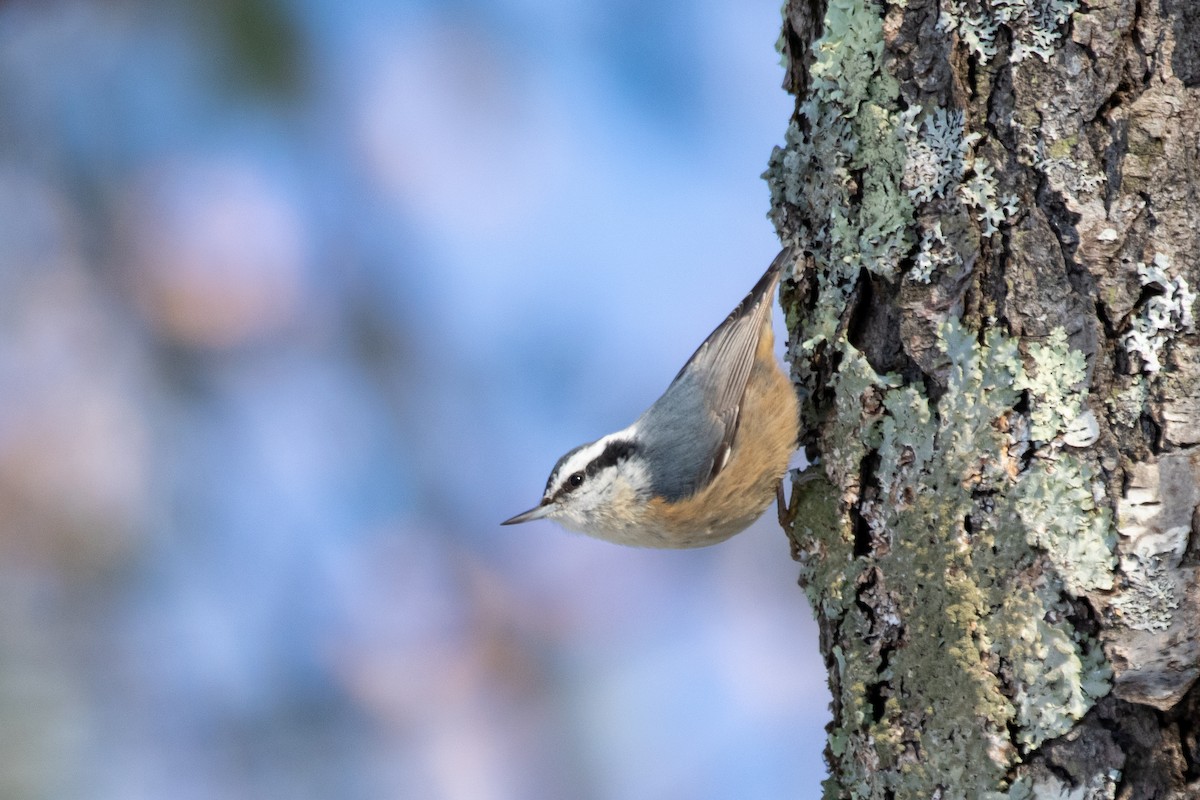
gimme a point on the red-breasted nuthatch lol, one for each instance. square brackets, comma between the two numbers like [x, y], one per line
[705, 460]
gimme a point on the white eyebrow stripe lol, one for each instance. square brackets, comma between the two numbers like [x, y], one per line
[585, 455]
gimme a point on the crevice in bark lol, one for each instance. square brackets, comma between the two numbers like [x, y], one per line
[999, 108]
[1063, 223]
[1014, 739]
[1148, 291]
[1142, 735]
[1083, 617]
[1191, 554]
[992, 267]
[1188, 715]
[1187, 737]
[1135, 39]
[873, 327]
[1148, 211]
[1151, 432]
[1021, 408]
[1121, 363]
[1062, 773]
[802, 25]
[827, 360]
[856, 187]
[1112, 156]
[1106, 323]
[972, 87]
[862, 533]
[1121, 95]
[877, 700]
[868, 490]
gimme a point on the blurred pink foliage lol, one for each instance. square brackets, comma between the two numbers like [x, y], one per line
[278, 351]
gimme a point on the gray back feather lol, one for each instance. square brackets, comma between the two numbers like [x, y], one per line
[688, 433]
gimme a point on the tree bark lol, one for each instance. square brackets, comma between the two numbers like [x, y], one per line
[992, 332]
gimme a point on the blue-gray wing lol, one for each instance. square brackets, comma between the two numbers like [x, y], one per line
[690, 431]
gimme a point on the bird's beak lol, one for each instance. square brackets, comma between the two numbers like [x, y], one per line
[537, 512]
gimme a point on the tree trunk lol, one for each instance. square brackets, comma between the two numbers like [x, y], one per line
[992, 333]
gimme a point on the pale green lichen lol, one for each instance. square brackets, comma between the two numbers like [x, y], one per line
[1149, 595]
[988, 662]
[1047, 786]
[980, 389]
[1053, 672]
[1036, 26]
[988, 646]
[835, 184]
[981, 193]
[934, 254]
[853, 147]
[860, 145]
[1163, 315]
[854, 379]
[1125, 405]
[781, 42]
[1057, 160]
[1055, 385]
[907, 410]
[820, 541]
[1056, 501]
[941, 166]
[937, 151]
[1054, 681]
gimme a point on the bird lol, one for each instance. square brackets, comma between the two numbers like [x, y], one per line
[705, 459]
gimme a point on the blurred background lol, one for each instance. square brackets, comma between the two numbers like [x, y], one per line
[298, 300]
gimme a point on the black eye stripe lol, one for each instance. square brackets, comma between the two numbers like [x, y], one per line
[614, 452]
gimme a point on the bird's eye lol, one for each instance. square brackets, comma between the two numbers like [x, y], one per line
[575, 480]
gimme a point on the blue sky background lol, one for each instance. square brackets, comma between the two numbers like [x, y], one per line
[298, 300]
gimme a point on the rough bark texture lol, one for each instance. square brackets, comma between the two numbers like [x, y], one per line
[992, 333]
